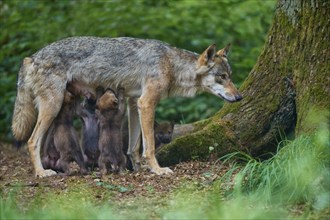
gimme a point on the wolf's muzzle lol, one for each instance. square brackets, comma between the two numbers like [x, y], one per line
[238, 97]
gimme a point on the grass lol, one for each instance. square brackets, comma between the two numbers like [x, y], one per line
[294, 183]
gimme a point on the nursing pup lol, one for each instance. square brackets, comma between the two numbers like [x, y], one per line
[62, 145]
[90, 129]
[110, 111]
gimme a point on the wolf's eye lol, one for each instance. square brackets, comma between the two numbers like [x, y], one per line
[223, 76]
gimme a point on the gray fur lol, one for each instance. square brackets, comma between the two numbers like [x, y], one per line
[116, 62]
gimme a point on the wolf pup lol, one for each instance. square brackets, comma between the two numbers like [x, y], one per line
[49, 154]
[110, 111]
[62, 137]
[163, 133]
[90, 128]
[148, 70]
[90, 132]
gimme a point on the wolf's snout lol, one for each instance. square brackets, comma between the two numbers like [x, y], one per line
[238, 97]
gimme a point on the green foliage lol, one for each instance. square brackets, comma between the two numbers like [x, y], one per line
[27, 26]
[77, 203]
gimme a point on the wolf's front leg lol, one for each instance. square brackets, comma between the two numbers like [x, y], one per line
[147, 104]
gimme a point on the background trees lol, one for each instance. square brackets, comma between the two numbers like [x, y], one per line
[288, 84]
[26, 26]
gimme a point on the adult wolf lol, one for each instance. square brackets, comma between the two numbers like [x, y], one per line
[148, 70]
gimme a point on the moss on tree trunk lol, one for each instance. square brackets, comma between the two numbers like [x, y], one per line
[290, 80]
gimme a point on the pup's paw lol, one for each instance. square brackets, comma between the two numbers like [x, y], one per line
[136, 166]
[45, 173]
[162, 170]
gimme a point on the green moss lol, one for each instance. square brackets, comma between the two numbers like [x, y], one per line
[197, 145]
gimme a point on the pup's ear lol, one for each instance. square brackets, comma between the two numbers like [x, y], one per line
[206, 59]
[224, 51]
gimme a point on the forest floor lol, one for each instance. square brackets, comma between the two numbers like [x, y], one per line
[16, 174]
[138, 195]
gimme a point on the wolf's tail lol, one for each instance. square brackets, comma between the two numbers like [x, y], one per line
[25, 113]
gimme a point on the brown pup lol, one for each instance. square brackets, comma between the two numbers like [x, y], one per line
[110, 111]
[61, 145]
[78, 88]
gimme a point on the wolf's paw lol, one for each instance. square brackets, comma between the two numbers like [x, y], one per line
[162, 170]
[45, 173]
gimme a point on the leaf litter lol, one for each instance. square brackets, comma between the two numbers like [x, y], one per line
[16, 172]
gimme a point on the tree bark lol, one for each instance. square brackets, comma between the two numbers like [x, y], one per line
[289, 81]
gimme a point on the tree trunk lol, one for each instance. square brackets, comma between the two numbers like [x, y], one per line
[289, 81]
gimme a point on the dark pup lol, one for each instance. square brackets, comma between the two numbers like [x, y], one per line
[163, 133]
[90, 132]
[90, 129]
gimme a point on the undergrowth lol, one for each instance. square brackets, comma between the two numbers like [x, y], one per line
[294, 183]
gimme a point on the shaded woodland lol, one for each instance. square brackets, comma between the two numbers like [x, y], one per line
[287, 85]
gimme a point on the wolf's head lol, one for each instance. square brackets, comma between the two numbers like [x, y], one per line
[215, 73]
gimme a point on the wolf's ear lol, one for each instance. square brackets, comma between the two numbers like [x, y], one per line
[207, 55]
[205, 60]
[224, 51]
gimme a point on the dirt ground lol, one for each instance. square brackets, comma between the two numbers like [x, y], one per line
[16, 170]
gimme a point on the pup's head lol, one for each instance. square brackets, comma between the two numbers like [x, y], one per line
[164, 131]
[107, 101]
[215, 74]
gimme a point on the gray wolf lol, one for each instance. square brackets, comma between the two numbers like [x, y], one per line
[62, 146]
[110, 111]
[148, 70]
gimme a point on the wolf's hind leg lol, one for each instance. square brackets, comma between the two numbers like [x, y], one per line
[48, 110]
[134, 131]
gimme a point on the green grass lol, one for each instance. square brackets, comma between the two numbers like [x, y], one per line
[294, 183]
[75, 202]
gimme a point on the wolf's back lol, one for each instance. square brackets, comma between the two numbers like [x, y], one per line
[25, 114]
